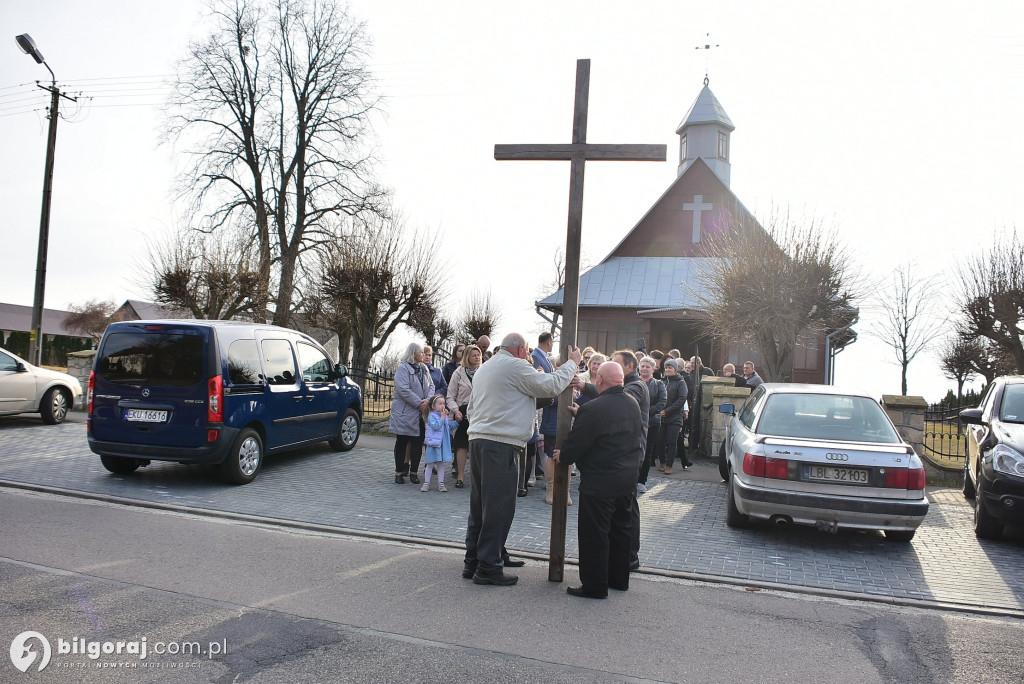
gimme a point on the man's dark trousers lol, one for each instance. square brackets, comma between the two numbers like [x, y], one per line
[605, 527]
[494, 468]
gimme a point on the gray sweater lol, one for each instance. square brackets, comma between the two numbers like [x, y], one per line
[505, 393]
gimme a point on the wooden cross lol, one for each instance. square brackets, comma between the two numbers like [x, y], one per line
[578, 152]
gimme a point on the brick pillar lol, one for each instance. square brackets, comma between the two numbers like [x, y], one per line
[717, 391]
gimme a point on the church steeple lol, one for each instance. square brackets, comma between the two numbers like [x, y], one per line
[705, 132]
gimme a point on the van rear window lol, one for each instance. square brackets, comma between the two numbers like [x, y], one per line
[164, 359]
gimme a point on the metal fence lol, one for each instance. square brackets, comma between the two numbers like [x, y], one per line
[944, 433]
[378, 385]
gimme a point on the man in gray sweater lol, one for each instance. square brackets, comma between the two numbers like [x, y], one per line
[501, 411]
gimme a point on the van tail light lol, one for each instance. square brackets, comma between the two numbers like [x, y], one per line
[91, 390]
[215, 407]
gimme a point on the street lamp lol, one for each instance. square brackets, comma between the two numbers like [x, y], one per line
[28, 46]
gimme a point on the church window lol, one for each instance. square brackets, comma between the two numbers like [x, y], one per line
[682, 148]
[723, 146]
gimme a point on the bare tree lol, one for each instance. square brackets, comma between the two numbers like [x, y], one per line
[479, 316]
[991, 299]
[436, 328]
[909, 325]
[212, 277]
[273, 107]
[957, 360]
[90, 318]
[767, 287]
[375, 281]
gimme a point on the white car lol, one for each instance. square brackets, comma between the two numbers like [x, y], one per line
[812, 455]
[25, 388]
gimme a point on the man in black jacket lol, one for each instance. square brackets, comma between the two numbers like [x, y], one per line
[605, 444]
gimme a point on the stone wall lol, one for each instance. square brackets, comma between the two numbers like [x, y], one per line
[717, 391]
[80, 365]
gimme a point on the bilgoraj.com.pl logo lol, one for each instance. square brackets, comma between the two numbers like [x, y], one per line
[28, 647]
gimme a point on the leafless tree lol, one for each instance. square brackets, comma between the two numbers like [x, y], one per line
[373, 282]
[767, 287]
[479, 316]
[957, 360]
[437, 328]
[909, 325]
[90, 318]
[273, 108]
[212, 276]
[991, 299]
[556, 283]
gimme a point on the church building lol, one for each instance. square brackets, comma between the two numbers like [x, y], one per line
[644, 289]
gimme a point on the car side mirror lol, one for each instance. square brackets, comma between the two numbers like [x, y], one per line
[340, 370]
[727, 408]
[20, 368]
[971, 416]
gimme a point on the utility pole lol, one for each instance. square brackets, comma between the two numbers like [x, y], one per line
[35, 341]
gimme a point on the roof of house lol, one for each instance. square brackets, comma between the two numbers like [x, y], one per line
[639, 283]
[148, 311]
[18, 318]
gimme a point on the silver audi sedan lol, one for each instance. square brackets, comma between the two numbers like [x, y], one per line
[25, 388]
[812, 455]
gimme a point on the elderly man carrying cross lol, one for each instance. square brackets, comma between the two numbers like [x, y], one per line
[605, 445]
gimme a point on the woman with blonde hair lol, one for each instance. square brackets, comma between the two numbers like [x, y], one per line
[460, 389]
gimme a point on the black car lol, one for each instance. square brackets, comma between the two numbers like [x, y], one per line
[994, 467]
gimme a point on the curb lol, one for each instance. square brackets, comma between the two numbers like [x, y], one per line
[988, 611]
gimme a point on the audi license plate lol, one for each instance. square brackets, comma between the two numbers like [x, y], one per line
[822, 473]
[145, 416]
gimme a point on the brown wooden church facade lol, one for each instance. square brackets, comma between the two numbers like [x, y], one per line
[645, 288]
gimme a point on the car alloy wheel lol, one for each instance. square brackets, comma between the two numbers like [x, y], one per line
[54, 407]
[348, 433]
[245, 458]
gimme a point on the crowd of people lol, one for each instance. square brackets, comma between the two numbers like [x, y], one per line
[494, 415]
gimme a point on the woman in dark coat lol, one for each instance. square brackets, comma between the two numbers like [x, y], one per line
[673, 415]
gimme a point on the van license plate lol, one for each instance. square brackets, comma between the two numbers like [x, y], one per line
[837, 475]
[145, 416]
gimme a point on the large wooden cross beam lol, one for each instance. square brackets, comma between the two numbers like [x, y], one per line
[578, 152]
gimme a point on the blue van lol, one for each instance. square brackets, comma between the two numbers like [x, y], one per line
[216, 392]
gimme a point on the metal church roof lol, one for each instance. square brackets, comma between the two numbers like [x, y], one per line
[639, 283]
[706, 109]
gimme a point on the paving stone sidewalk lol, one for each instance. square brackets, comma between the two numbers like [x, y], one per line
[683, 522]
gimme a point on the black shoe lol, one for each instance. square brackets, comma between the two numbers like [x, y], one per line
[522, 492]
[634, 565]
[459, 484]
[414, 478]
[501, 579]
[468, 571]
[510, 562]
[399, 479]
[581, 592]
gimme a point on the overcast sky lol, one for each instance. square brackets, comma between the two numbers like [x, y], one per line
[899, 123]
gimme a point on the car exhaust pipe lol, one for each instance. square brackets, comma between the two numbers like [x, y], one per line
[782, 520]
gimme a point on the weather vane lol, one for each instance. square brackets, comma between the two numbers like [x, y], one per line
[707, 46]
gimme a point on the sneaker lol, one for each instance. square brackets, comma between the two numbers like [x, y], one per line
[641, 488]
[502, 579]
[425, 487]
[441, 487]
[531, 482]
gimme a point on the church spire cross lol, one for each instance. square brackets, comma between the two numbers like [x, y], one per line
[707, 47]
[578, 152]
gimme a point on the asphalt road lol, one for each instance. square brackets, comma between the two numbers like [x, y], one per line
[291, 606]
